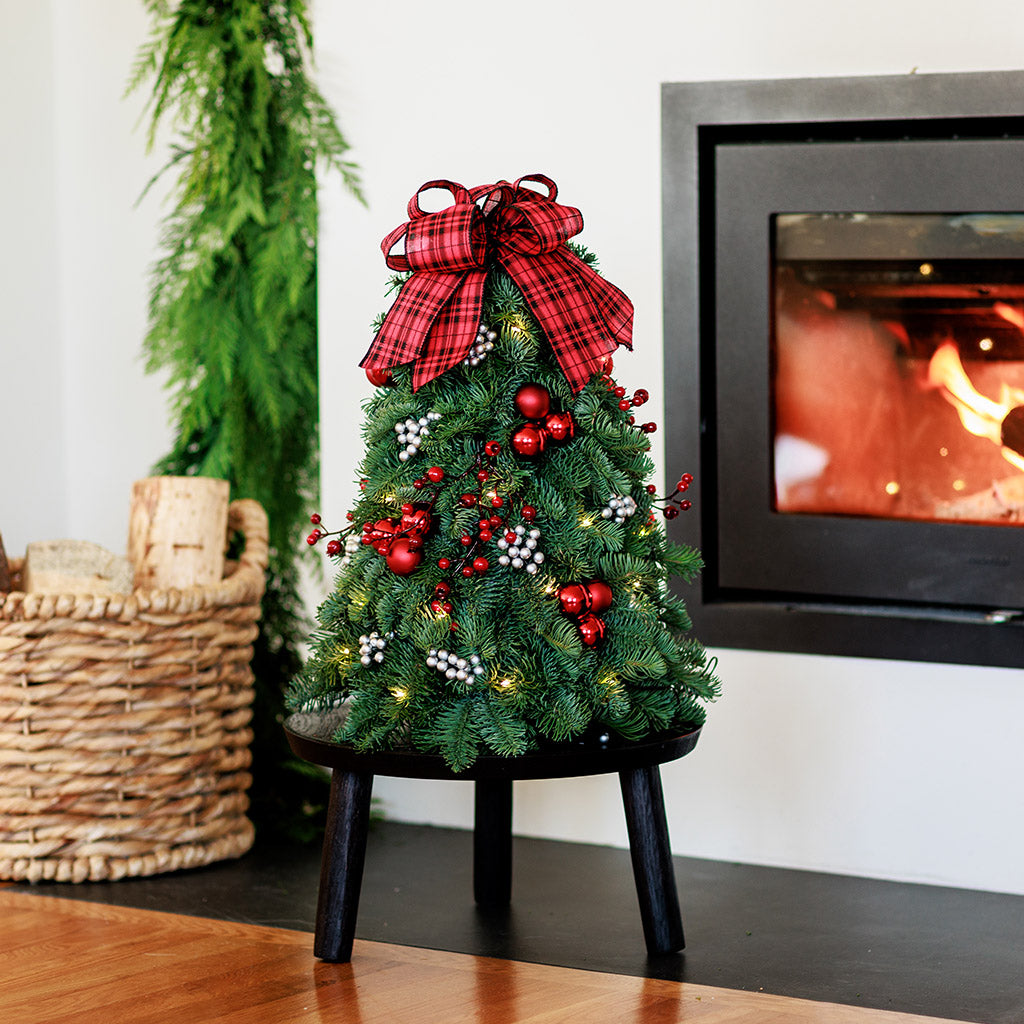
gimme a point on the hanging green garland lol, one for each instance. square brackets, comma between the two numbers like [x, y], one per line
[233, 303]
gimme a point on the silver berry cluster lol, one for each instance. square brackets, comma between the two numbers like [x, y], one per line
[619, 508]
[353, 542]
[411, 434]
[484, 344]
[454, 667]
[522, 552]
[371, 648]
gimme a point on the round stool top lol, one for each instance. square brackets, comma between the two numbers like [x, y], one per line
[309, 737]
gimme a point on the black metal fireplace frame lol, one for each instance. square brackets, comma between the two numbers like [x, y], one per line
[697, 118]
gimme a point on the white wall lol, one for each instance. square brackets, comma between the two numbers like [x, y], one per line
[880, 768]
[888, 769]
[79, 420]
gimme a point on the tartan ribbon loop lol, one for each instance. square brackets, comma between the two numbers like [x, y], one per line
[434, 320]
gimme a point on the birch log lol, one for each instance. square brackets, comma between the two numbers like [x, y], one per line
[74, 567]
[177, 531]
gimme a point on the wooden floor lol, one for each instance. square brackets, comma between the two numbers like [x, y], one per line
[70, 962]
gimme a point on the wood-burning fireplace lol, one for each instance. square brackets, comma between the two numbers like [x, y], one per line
[844, 357]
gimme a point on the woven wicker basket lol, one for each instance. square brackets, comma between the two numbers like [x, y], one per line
[124, 724]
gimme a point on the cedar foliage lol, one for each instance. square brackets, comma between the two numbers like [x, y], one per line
[232, 313]
[541, 682]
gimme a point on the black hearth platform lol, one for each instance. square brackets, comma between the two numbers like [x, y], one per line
[919, 949]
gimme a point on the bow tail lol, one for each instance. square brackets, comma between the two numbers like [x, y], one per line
[453, 331]
[584, 316]
[409, 323]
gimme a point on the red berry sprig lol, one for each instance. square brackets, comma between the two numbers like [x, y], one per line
[675, 503]
[334, 546]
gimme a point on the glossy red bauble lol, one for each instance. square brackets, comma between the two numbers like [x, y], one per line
[529, 440]
[467, 500]
[378, 378]
[574, 599]
[435, 474]
[481, 564]
[403, 559]
[334, 547]
[600, 596]
[561, 426]
[533, 401]
[591, 630]
[529, 513]
[492, 448]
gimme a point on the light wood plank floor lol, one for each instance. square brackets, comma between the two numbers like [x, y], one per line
[70, 962]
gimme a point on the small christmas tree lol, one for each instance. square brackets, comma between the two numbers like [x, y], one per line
[503, 584]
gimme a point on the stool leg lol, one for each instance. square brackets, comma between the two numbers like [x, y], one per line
[492, 843]
[341, 865]
[644, 803]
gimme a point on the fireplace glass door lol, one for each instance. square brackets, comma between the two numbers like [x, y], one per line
[897, 365]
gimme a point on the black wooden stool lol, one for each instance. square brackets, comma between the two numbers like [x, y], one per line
[637, 764]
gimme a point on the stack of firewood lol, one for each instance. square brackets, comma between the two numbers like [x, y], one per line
[177, 534]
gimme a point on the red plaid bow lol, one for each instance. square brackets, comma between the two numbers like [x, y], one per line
[434, 320]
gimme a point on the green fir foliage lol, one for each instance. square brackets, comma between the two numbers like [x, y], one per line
[232, 314]
[538, 682]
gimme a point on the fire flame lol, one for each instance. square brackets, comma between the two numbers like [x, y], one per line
[979, 415]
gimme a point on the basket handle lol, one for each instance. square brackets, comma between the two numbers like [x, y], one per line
[246, 516]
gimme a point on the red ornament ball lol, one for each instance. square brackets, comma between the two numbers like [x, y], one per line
[686, 505]
[435, 474]
[315, 519]
[529, 513]
[419, 484]
[671, 512]
[533, 401]
[561, 426]
[313, 538]
[497, 501]
[334, 547]
[444, 563]
[403, 559]
[591, 630]
[435, 606]
[574, 599]
[625, 405]
[651, 489]
[465, 540]
[640, 396]
[492, 448]
[467, 571]
[483, 476]
[467, 500]
[486, 535]
[442, 589]
[481, 564]
[378, 378]
[600, 596]
[529, 440]
[406, 509]
[649, 428]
